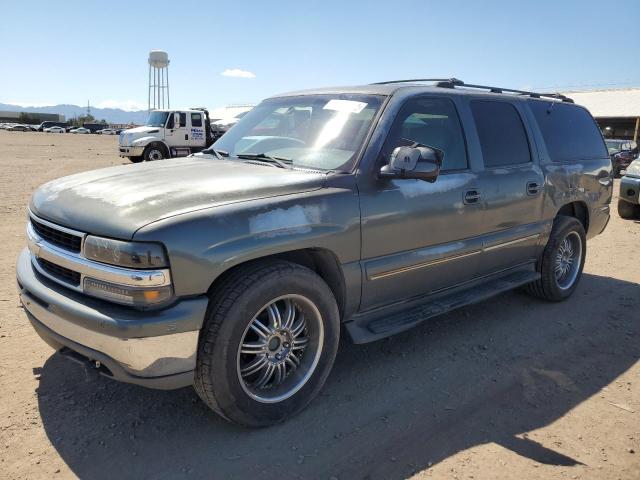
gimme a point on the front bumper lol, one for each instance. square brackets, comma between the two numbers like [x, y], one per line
[156, 349]
[630, 189]
[130, 151]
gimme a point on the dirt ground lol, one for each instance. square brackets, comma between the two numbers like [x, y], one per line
[512, 388]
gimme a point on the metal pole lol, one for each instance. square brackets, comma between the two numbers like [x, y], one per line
[153, 93]
[635, 132]
[168, 103]
[149, 91]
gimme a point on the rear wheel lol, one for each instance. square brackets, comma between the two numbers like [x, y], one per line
[628, 210]
[562, 261]
[268, 343]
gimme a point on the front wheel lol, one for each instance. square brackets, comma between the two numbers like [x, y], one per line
[627, 210]
[268, 343]
[153, 152]
[562, 261]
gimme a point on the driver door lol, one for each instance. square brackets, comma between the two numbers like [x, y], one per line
[420, 237]
[177, 135]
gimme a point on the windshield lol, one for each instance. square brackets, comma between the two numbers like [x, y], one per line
[157, 119]
[322, 132]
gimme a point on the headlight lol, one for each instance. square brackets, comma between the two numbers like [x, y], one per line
[141, 255]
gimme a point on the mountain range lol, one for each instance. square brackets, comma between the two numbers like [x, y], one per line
[111, 115]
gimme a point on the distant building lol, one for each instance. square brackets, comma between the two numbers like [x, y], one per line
[617, 111]
[31, 118]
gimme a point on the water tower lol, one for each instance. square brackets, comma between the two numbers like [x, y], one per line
[158, 79]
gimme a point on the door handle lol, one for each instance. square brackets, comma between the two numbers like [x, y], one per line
[471, 197]
[533, 188]
[186, 136]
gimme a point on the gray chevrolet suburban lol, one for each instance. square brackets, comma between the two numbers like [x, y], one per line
[367, 209]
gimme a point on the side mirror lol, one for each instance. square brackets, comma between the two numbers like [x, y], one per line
[421, 163]
[176, 120]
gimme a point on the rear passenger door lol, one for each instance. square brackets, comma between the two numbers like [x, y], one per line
[196, 132]
[511, 186]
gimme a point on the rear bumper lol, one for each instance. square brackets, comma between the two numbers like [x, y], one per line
[156, 349]
[630, 189]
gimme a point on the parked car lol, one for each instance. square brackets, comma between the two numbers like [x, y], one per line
[629, 198]
[18, 128]
[107, 131]
[366, 209]
[94, 127]
[49, 123]
[622, 153]
[80, 130]
[55, 129]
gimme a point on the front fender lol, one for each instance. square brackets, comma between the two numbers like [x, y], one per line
[144, 141]
[204, 244]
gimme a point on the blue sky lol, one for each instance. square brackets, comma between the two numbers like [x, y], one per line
[71, 51]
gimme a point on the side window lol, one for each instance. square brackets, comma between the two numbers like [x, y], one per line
[183, 119]
[196, 120]
[432, 122]
[170, 121]
[503, 139]
[569, 131]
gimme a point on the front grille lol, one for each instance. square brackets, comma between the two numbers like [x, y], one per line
[57, 237]
[66, 275]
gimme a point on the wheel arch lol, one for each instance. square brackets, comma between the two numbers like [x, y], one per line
[162, 144]
[578, 210]
[320, 260]
[146, 142]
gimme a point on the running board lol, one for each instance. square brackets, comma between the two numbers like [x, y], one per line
[383, 322]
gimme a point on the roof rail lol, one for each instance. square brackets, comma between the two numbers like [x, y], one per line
[454, 82]
[440, 82]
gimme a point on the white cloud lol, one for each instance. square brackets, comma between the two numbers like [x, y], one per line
[236, 72]
[126, 105]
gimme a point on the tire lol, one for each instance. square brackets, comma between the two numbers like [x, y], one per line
[627, 210]
[154, 152]
[222, 378]
[550, 286]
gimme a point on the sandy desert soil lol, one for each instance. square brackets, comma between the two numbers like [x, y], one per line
[512, 388]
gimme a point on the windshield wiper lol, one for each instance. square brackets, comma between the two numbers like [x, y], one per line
[279, 161]
[218, 153]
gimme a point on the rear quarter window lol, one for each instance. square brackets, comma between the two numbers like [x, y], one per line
[569, 131]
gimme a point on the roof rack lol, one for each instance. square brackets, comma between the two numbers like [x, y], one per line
[454, 82]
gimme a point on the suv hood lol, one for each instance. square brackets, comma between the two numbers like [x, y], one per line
[117, 201]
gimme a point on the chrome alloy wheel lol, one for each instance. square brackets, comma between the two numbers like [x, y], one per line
[280, 348]
[568, 260]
